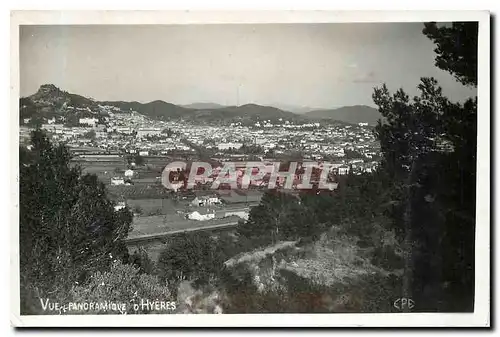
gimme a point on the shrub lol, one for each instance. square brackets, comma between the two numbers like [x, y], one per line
[386, 258]
[123, 283]
[141, 260]
[189, 256]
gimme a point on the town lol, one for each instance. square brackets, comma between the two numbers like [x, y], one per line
[129, 152]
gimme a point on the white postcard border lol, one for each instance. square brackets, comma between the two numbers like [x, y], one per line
[481, 316]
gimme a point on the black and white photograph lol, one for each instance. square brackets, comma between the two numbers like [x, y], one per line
[313, 166]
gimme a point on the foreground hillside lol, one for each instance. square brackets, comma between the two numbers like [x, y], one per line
[332, 274]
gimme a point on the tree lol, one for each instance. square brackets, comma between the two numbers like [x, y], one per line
[138, 210]
[168, 132]
[138, 160]
[141, 260]
[410, 128]
[272, 219]
[455, 173]
[90, 134]
[428, 147]
[412, 142]
[353, 154]
[68, 227]
[456, 49]
[193, 257]
[27, 109]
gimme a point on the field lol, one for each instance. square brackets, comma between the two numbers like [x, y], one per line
[106, 167]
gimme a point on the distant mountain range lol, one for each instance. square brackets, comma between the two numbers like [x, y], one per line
[203, 106]
[50, 101]
[349, 114]
[285, 107]
[165, 111]
[294, 108]
[156, 109]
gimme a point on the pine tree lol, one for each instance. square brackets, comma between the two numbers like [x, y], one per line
[68, 227]
[429, 149]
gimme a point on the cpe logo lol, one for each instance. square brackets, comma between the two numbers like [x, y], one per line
[404, 303]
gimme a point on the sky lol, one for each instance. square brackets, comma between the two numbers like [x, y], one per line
[305, 65]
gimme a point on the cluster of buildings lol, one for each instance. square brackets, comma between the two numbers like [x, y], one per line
[129, 132]
[313, 141]
[123, 132]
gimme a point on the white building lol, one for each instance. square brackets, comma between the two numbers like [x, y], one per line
[200, 217]
[242, 214]
[343, 170]
[117, 181]
[124, 129]
[260, 141]
[119, 206]
[205, 201]
[56, 128]
[146, 132]
[226, 146]
[88, 121]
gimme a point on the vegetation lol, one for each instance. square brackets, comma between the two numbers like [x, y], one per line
[245, 149]
[429, 155]
[138, 210]
[353, 154]
[123, 283]
[90, 134]
[137, 159]
[168, 132]
[193, 257]
[456, 49]
[68, 228]
[141, 260]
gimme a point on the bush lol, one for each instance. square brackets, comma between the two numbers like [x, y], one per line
[194, 257]
[141, 260]
[155, 212]
[386, 258]
[123, 283]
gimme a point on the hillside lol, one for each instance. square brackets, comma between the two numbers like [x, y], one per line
[259, 112]
[349, 114]
[294, 108]
[156, 109]
[207, 105]
[163, 111]
[51, 102]
[331, 274]
[50, 95]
